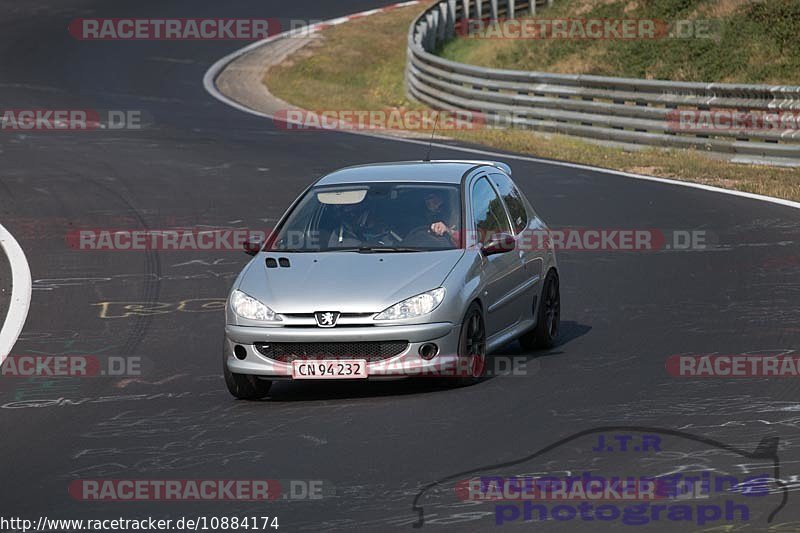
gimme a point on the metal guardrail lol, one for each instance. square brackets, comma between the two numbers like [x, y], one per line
[625, 110]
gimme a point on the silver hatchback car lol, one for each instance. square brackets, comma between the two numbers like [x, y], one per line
[389, 270]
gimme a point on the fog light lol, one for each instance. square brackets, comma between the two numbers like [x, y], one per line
[239, 352]
[428, 350]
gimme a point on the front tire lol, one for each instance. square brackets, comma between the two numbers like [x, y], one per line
[548, 322]
[244, 386]
[472, 344]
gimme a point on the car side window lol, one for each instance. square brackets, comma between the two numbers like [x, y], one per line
[513, 199]
[488, 212]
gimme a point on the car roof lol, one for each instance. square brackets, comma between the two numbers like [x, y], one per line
[419, 171]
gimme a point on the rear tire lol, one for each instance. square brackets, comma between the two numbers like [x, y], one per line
[244, 386]
[545, 334]
[472, 344]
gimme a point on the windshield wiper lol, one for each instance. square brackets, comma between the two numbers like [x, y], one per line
[359, 249]
[375, 249]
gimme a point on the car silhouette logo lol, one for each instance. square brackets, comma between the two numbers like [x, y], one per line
[326, 319]
[592, 453]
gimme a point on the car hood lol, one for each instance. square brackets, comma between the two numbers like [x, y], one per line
[348, 282]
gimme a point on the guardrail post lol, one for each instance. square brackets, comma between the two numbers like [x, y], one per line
[433, 36]
[422, 34]
[463, 27]
[494, 9]
[441, 23]
[430, 35]
[450, 24]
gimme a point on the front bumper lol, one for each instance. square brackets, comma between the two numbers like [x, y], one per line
[406, 364]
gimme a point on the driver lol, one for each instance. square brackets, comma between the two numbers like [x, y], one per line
[436, 213]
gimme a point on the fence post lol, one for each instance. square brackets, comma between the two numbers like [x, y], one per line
[422, 34]
[450, 29]
[433, 36]
[510, 10]
[441, 23]
[494, 9]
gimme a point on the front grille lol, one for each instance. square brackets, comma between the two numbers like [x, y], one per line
[306, 326]
[341, 315]
[371, 351]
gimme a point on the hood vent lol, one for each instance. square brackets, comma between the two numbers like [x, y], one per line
[282, 261]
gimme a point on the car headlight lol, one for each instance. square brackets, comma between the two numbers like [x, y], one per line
[248, 307]
[418, 305]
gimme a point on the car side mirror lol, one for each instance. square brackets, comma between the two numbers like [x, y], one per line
[253, 245]
[500, 244]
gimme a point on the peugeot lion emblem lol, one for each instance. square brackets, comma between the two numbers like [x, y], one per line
[326, 319]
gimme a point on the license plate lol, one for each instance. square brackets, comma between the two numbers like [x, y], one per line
[341, 369]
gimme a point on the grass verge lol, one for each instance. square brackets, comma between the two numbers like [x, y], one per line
[359, 66]
[737, 41]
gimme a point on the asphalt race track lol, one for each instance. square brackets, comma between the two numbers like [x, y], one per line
[197, 162]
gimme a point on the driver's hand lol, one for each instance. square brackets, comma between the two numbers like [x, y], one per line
[439, 229]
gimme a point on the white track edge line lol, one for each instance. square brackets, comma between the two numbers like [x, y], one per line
[211, 75]
[21, 286]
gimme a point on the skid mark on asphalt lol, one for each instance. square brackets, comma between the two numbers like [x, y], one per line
[316, 440]
[49, 284]
[173, 60]
[192, 442]
[206, 262]
[151, 290]
[129, 381]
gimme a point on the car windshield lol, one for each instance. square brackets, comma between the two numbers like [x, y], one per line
[374, 217]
